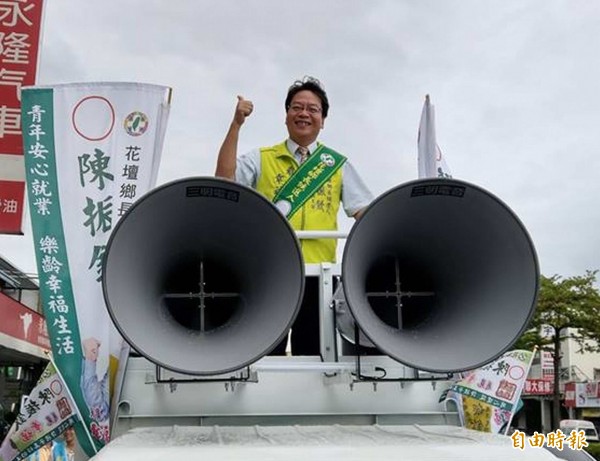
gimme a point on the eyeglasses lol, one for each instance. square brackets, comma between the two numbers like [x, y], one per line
[312, 109]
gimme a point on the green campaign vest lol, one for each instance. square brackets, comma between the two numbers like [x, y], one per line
[314, 207]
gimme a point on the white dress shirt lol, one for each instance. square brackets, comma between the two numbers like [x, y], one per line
[355, 194]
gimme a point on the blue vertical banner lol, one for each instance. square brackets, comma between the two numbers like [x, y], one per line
[91, 150]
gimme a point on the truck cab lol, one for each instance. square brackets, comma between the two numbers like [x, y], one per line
[588, 428]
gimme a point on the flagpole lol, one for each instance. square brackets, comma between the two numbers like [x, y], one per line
[118, 385]
[512, 413]
[87, 432]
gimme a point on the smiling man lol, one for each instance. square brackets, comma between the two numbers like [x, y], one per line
[306, 180]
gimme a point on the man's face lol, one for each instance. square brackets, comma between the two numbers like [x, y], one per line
[304, 118]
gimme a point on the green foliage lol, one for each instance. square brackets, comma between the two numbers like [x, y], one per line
[566, 308]
[564, 303]
[594, 449]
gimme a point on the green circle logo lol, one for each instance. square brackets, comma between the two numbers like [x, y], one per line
[136, 123]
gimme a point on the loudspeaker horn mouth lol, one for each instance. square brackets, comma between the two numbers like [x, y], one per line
[440, 275]
[203, 276]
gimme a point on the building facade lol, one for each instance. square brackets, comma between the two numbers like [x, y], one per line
[24, 339]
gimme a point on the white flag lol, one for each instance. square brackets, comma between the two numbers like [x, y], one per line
[431, 161]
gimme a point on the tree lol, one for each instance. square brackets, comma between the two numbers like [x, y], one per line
[566, 308]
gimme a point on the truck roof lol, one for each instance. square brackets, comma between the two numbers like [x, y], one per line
[331, 442]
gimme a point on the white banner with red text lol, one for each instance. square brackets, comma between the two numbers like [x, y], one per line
[488, 397]
[46, 413]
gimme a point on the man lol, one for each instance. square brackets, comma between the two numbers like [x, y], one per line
[95, 391]
[289, 165]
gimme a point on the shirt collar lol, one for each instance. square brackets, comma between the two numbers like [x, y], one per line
[293, 146]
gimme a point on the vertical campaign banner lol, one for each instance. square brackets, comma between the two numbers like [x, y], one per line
[91, 150]
[46, 413]
[20, 33]
[431, 163]
[488, 397]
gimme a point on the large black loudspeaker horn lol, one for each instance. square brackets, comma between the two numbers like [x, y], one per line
[440, 275]
[203, 276]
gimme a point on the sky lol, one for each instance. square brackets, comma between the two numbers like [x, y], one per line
[515, 85]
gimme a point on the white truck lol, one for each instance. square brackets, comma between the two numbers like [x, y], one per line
[588, 428]
[203, 277]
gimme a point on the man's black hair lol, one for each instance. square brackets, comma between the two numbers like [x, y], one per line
[308, 84]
